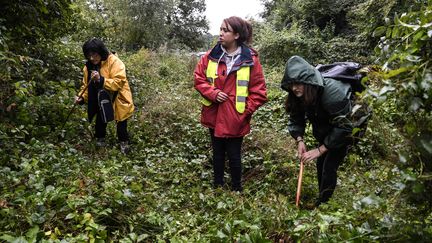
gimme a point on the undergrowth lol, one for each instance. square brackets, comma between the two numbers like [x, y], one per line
[56, 185]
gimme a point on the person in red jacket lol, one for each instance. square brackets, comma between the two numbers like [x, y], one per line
[230, 79]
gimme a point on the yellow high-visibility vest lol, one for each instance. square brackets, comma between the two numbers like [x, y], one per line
[242, 84]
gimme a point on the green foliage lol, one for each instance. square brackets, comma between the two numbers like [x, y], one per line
[28, 23]
[144, 24]
[93, 20]
[55, 185]
[31, 53]
[277, 46]
[70, 190]
[323, 31]
[405, 52]
[188, 25]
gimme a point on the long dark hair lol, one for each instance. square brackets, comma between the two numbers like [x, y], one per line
[241, 27]
[309, 98]
[97, 46]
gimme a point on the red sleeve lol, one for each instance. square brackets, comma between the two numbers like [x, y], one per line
[257, 87]
[201, 83]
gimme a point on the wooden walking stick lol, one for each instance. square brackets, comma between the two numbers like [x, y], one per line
[299, 183]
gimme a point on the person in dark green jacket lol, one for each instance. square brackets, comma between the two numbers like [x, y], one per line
[326, 104]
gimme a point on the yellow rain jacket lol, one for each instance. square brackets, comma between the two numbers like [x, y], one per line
[114, 79]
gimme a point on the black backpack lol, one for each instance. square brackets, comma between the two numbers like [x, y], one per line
[349, 72]
[105, 106]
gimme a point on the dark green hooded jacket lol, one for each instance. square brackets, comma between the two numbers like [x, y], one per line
[329, 115]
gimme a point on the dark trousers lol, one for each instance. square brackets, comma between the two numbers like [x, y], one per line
[232, 148]
[327, 166]
[100, 128]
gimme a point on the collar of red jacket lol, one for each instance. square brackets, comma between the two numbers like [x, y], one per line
[245, 55]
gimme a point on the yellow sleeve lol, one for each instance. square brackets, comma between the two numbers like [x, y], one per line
[117, 76]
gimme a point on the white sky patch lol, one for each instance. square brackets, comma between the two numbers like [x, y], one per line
[217, 10]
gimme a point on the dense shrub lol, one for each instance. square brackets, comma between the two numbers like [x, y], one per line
[405, 52]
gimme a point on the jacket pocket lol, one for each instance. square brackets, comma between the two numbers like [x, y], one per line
[230, 122]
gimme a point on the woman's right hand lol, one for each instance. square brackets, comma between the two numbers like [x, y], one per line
[301, 149]
[78, 100]
[221, 97]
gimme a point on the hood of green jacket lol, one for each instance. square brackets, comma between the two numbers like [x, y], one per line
[298, 70]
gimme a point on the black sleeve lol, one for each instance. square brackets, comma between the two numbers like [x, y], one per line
[342, 127]
[297, 123]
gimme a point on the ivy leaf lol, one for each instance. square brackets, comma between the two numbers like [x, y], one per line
[368, 200]
[32, 234]
[426, 82]
[402, 159]
[427, 145]
[70, 216]
[386, 89]
[142, 237]
[416, 103]
[238, 222]
[323, 226]
[300, 227]
[411, 26]
[8, 238]
[221, 235]
[418, 187]
[221, 205]
[379, 31]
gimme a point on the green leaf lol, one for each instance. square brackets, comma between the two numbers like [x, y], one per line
[389, 32]
[221, 235]
[386, 89]
[427, 145]
[19, 240]
[402, 159]
[418, 35]
[70, 216]
[411, 26]
[142, 237]
[221, 205]
[133, 236]
[238, 222]
[379, 31]
[416, 103]
[395, 33]
[32, 234]
[8, 238]
[418, 187]
[300, 227]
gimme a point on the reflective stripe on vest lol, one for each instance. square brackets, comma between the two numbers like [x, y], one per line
[242, 84]
[242, 91]
[211, 75]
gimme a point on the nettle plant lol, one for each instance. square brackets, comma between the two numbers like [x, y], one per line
[405, 50]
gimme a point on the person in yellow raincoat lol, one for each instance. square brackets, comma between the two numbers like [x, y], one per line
[106, 71]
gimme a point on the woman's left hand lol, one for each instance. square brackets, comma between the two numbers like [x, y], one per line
[221, 97]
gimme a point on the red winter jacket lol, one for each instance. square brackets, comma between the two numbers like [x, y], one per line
[223, 117]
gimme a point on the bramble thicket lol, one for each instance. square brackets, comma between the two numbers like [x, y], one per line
[56, 185]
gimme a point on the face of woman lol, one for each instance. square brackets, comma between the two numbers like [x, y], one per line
[94, 58]
[298, 89]
[227, 37]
